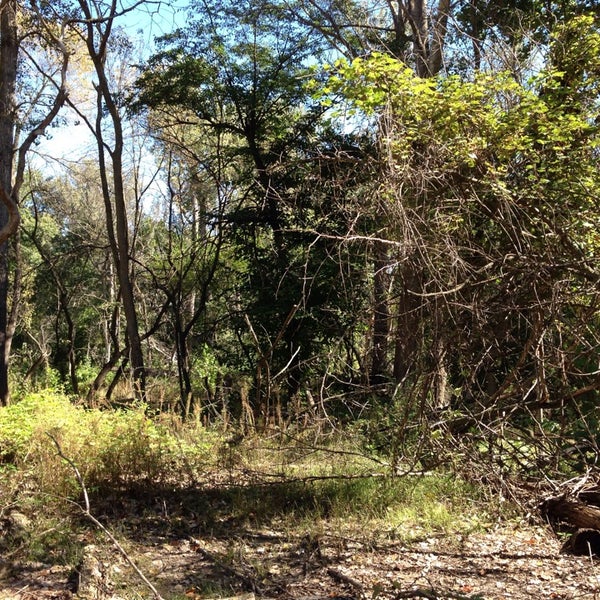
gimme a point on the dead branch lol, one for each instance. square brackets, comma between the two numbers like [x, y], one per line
[248, 581]
[571, 511]
[341, 578]
[87, 512]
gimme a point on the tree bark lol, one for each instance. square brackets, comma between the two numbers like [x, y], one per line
[564, 511]
[9, 50]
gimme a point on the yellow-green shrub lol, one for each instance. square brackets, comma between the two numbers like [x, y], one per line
[111, 448]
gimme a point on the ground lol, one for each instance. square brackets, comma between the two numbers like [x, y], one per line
[185, 556]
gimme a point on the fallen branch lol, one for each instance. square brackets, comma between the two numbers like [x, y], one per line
[432, 594]
[573, 512]
[87, 512]
[341, 578]
[248, 581]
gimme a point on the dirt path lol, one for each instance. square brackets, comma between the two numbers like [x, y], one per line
[508, 563]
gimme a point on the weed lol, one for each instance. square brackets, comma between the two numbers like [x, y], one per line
[303, 484]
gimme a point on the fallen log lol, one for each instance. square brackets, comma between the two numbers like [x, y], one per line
[583, 520]
[564, 510]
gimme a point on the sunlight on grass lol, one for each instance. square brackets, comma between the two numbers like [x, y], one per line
[305, 484]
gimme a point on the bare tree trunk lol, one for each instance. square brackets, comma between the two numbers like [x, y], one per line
[381, 315]
[407, 331]
[9, 50]
[417, 10]
[9, 184]
[440, 372]
[429, 34]
[97, 37]
[439, 37]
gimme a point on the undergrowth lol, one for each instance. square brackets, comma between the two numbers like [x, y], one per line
[132, 462]
[112, 448]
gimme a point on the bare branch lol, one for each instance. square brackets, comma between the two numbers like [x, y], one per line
[87, 512]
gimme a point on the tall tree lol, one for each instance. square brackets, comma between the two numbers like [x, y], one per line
[97, 29]
[9, 54]
[20, 125]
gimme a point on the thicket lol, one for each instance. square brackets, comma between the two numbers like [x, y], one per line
[291, 223]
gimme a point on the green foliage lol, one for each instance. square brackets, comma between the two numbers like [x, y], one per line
[479, 124]
[236, 68]
[294, 483]
[110, 448]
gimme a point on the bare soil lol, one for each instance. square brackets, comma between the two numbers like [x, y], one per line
[202, 553]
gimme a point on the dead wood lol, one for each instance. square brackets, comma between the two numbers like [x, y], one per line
[564, 510]
[341, 578]
[248, 581]
[432, 594]
[584, 542]
[583, 520]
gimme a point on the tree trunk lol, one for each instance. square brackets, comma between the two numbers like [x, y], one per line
[9, 50]
[407, 332]
[381, 315]
[417, 10]
[429, 34]
[97, 40]
[186, 397]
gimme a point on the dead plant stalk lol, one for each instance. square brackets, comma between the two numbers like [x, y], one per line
[86, 510]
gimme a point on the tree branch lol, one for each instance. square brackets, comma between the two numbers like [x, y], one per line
[87, 512]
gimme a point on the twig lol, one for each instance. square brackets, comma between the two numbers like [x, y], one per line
[432, 594]
[87, 512]
[339, 576]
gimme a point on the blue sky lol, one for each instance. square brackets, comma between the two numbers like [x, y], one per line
[143, 24]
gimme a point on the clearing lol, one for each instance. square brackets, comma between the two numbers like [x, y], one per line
[201, 544]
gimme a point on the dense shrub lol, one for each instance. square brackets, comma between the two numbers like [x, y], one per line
[111, 448]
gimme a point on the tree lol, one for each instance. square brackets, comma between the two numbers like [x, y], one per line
[9, 51]
[97, 31]
[495, 188]
[13, 148]
[68, 296]
[236, 82]
[182, 256]
[413, 31]
[430, 38]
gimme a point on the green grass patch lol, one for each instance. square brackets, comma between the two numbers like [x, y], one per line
[404, 507]
[138, 467]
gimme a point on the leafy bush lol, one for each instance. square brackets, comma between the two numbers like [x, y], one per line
[111, 448]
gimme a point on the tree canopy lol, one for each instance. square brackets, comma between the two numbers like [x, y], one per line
[306, 209]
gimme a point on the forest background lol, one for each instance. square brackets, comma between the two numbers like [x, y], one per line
[307, 216]
[288, 261]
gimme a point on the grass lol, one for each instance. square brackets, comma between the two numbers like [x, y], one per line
[146, 473]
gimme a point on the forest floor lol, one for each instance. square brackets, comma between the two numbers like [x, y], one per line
[189, 551]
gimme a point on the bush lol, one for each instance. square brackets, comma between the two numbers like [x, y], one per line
[112, 448]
